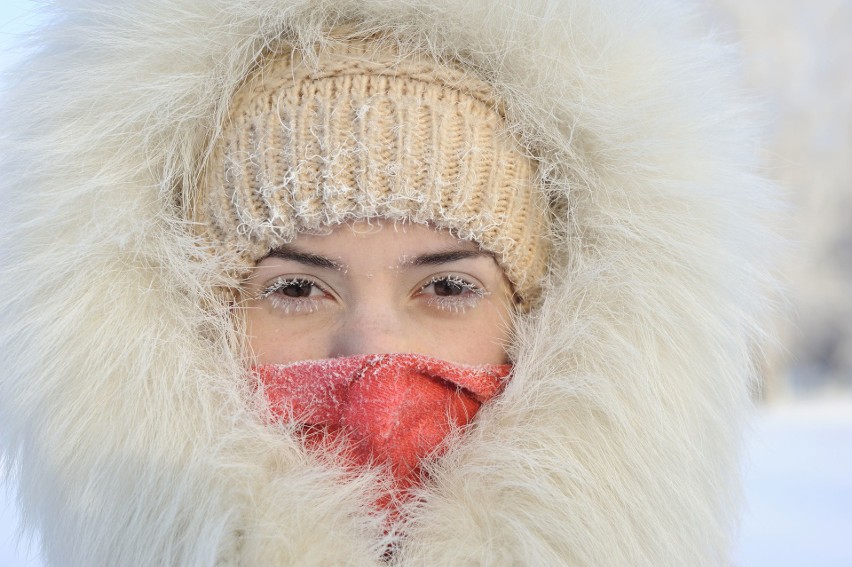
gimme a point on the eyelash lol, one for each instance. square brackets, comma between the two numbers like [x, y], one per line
[470, 296]
[290, 305]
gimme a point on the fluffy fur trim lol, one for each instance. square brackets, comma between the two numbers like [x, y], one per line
[123, 412]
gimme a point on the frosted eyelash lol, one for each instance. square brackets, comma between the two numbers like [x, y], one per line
[455, 304]
[290, 305]
[457, 281]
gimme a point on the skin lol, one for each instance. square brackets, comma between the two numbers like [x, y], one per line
[378, 287]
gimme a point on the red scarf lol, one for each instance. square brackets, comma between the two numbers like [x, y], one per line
[391, 409]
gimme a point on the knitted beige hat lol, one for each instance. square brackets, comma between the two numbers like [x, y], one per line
[365, 132]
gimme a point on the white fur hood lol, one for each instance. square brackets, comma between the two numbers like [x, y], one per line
[124, 413]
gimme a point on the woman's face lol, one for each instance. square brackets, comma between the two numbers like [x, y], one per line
[378, 287]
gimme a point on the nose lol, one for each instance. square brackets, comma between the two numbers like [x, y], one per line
[374, 328]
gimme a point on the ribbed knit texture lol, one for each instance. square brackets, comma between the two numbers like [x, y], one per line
[365, 133]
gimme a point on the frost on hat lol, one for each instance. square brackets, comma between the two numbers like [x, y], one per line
[367, 132]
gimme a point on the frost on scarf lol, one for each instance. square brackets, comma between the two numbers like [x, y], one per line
[392, 409]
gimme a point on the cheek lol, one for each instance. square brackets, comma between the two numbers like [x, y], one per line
[479, 337]
[495, 332]
[274, 339]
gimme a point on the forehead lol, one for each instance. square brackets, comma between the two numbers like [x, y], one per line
[385, 234]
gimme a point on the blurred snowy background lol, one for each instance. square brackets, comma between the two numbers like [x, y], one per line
[798, 61]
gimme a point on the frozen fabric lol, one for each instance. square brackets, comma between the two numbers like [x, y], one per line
[392, 409]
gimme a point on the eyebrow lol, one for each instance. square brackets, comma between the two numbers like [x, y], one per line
[305, 258]
[286, 253]
[443, 257]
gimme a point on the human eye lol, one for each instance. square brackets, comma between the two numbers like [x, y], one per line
[451, 292]
[294, 294]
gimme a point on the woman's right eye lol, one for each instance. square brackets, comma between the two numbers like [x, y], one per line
[295, 288]
[294, 295]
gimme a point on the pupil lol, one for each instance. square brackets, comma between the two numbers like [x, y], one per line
[297, 289]
[447, 287]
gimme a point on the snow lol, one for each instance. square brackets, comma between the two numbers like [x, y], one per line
[798, 480]
[14, 552]
[798, 484]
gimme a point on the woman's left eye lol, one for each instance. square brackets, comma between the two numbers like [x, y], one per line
[451, 286]
[451, 293]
